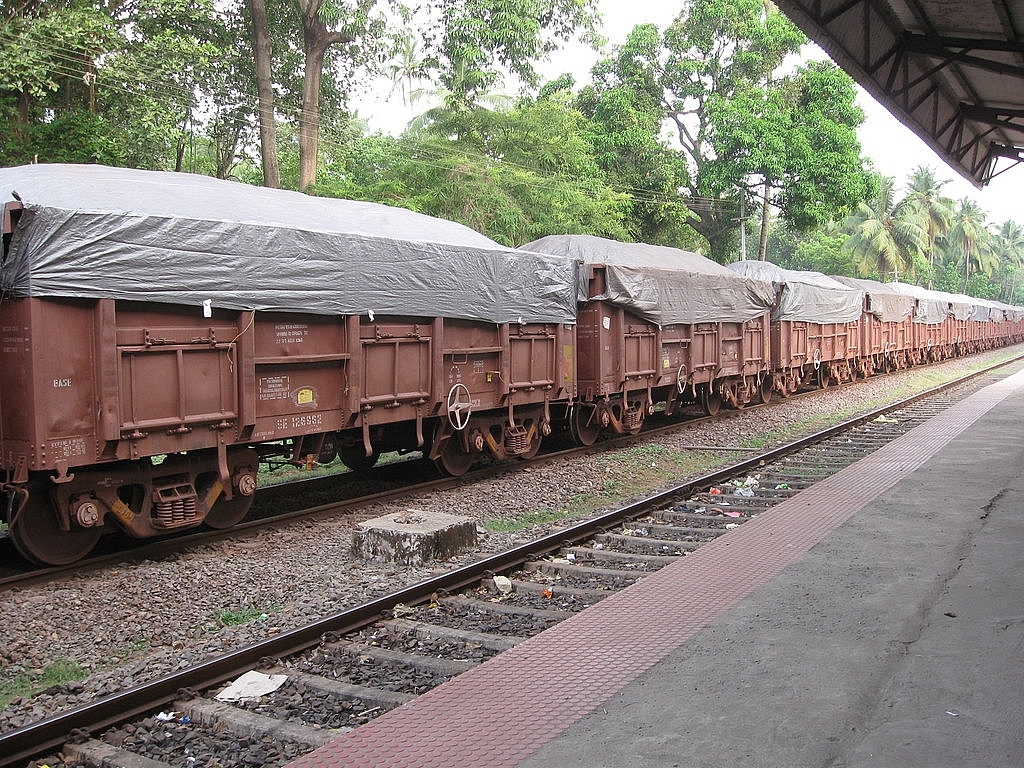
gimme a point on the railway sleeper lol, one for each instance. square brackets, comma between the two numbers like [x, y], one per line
[647, 544]
[244, 723]
[376, 697]
[768, 493]
[825, 468]
[597, 555]
[99, 753]
[436, 631]
[793, 480]
[677, 532]
[584, 595]
[445, 667]
[750, 507]
[504, 609]
[791, 473]
[547, 567]
[713, 521]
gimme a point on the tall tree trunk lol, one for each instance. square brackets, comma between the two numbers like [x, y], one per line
[318, 39]
[309, 119]
[762, 248]
[21, 119]
[265, 91]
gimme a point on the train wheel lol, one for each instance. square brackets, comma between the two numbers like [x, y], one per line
[38, 537]
[764, 391]
[584, 424]
[353, 456]
[454, 460]
[824, 379]
[534, 446]
[710, 402]
[225, 514]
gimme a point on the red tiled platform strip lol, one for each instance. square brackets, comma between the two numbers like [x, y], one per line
[498, 713]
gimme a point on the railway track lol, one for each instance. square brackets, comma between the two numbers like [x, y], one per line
[290, 502]
[355, 665]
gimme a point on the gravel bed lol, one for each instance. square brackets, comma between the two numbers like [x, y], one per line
[295, 703]
[138, 621]
[336, 664]
[476, 620]
[410, 642]
[187, 744]
[586, 581]
[555, 601]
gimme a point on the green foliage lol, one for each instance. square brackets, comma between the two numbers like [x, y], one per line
[625, 116]
[514, 176]
[883, 238]
[58, 672]
[233, 617]
[469, 42]
[969, 242]
[819, 250]
[123, 84]
[740, 125]
[528, 520]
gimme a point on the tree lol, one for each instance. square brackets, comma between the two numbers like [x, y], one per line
[465, 44]
[818, 250]
[514, 175]
[262, 56]
[796, 139]
[969, 242]
[1008, 244]
[882, 238]
[931, 210]
[49, 55]
[743, 128]
[625, 116]
[133, 83]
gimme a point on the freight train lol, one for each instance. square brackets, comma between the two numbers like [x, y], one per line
[162, 335]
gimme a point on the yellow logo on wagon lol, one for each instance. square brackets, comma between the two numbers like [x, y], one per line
[305, 396]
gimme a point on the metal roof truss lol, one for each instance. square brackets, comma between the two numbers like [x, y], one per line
[950, 70]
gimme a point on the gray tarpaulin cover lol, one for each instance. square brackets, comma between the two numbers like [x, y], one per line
[986, 310]
[1009, 312]
[964, 307]
[664, 285]
[807, 296]
[932, 308]
[883, 302]
[98, 232]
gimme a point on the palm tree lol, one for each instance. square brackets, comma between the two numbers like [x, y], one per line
[968, 239]
[405, 69]
[932, 211]
[1008, 244]
[883, 237]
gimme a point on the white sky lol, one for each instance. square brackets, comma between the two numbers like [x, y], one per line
[894, 150]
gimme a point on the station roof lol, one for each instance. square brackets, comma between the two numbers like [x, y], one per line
[950, 70]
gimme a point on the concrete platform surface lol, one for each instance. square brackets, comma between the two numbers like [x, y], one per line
[876, 619]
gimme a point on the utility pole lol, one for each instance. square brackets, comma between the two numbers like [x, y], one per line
[743, 227]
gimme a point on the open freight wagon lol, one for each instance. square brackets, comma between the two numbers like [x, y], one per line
[660, 325]
[163, 334]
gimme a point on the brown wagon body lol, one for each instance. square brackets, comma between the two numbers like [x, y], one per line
[154, 414]
[658, 325]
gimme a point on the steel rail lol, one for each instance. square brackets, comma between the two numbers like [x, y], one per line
[37, 738]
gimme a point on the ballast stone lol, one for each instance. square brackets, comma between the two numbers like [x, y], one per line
[413, 538]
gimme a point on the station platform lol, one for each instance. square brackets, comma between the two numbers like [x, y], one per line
[875, 620]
